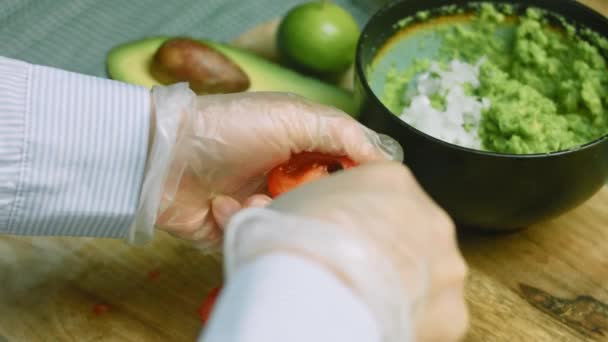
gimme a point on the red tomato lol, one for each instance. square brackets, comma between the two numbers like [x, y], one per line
[208, 303]
[304, 167]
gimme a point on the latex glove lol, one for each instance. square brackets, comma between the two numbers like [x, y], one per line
[211, 153]
[380, 233]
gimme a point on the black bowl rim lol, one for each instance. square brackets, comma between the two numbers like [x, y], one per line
[360, 71]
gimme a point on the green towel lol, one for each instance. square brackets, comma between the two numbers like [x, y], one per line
[76, 35]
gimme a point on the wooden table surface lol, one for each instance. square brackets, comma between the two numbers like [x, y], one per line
[546, 283]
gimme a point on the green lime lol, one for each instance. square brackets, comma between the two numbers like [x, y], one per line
[318, 36]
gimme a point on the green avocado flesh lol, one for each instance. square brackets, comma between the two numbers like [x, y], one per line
[131, 63]
[546, 81]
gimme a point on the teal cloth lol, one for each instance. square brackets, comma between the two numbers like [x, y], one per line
[76, 35]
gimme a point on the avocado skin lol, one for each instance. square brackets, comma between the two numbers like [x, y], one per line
[131, 63]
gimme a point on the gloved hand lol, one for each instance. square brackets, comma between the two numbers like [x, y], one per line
[211, 153]
[380, 233]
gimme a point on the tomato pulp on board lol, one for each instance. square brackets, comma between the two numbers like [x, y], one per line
[304, 167]
[207, 306]
[100, 309]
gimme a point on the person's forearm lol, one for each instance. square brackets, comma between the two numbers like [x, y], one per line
[72, 153]
[282, 297]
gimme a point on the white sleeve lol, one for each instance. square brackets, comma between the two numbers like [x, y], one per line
[72, 152]
[280, 297]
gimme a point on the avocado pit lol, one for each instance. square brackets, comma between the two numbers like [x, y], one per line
[206, 70]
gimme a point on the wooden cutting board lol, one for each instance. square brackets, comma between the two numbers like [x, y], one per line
[546, 283]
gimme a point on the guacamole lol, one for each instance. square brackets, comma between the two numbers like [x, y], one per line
[546, 81]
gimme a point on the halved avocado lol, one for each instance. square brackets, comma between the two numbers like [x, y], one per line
[131, 63]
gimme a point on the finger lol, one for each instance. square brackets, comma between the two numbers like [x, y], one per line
[391, 149]
[203, 232]
[223, 208]
[182, 219]
[257, 201]
[355, 140]
[329, 130]
[449, 307]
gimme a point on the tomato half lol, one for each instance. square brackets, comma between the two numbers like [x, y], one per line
[207, 306]
[302, 168]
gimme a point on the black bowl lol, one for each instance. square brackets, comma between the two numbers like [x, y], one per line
[480, 189]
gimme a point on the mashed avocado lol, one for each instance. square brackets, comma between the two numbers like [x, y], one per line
[547, 84]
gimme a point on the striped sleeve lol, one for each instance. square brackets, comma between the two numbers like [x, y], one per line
[72, 152]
